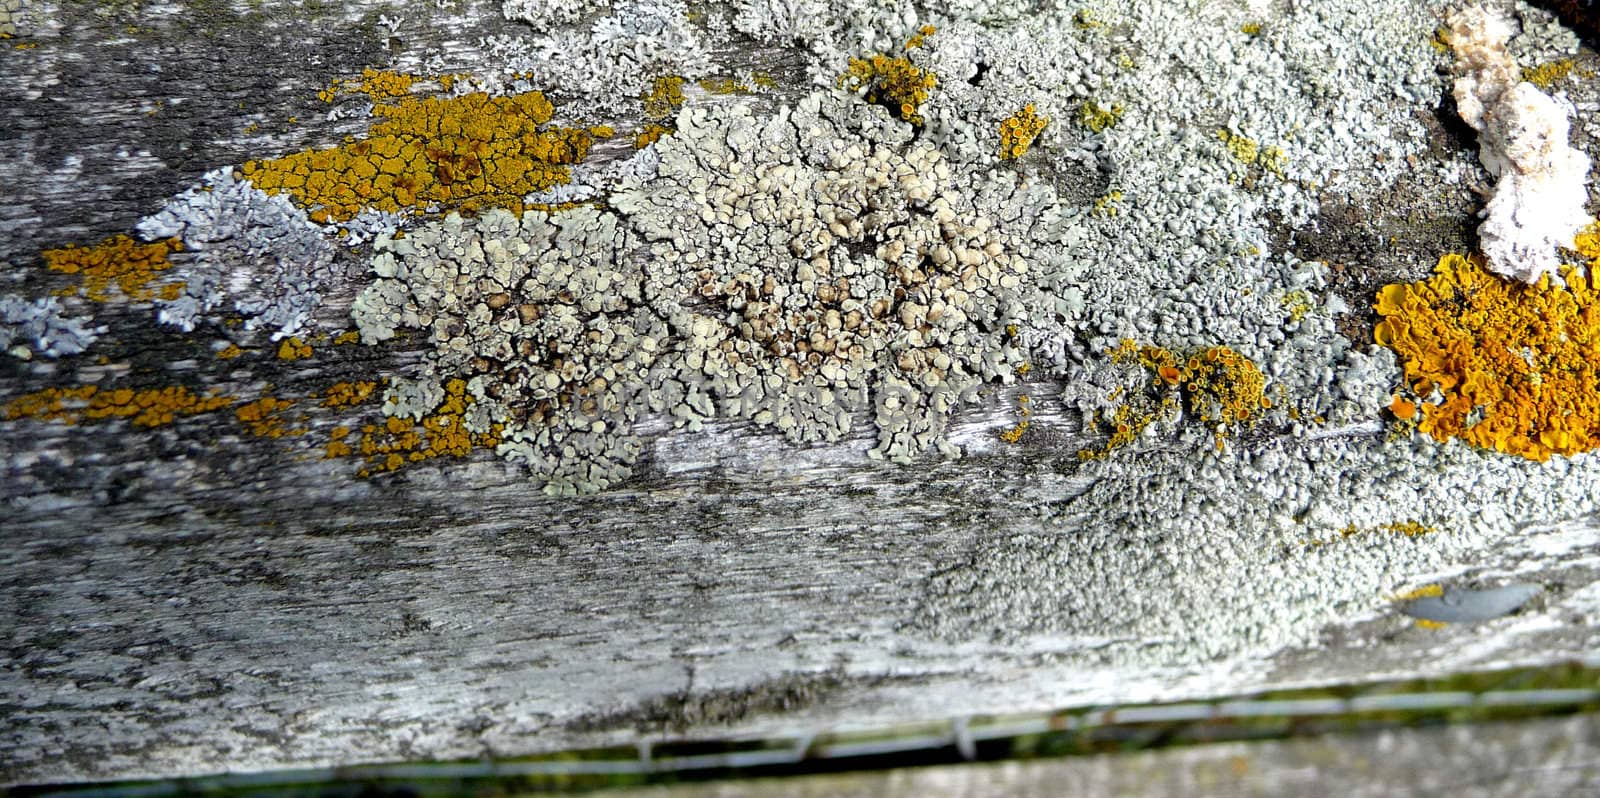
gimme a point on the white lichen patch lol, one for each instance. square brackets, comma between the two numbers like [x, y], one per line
[246, 253]
[606, 65]
[545, 14]
[1538, 203]
[817, 262]
[41, 327]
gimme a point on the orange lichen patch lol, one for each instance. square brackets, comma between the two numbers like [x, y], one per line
[1220, 387]
[896, 83]
[1501, 365]
[350, 337]
[375, 83]
[336, 444]
[1018, 131]
[151, 407]
[921, 37]
[1015, 433]
[119, 260]
[229, 352]
[466, 153]
[382, 85]
[649, 134]
[264, 417]
[663, 98]
[1223, 387]
[391, 445]
[602, 131]
[293, 349]
[344, 394]
[1403, 408]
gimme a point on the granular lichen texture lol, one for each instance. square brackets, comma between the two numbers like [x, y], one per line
[1499, 364]
[467, 153]
[122, 261]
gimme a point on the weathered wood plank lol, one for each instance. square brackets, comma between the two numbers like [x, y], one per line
[194, 597]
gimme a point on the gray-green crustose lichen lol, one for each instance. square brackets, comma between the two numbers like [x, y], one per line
[819, 263]
[542, 315]
[795, 271]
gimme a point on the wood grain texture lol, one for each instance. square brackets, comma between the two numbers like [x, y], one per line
[193, 599]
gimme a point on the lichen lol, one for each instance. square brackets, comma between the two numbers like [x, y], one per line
[148, 407]
[1499, 364]
[1098, 118]
[468, 153]
[263, 417]
[1018, 131]
[1219, 387]
[248, 253]
[41, 327]
[293, 348]
[119, 261]
[1548, 74]
[1248, 152]
[445, 431]
[664, 97]
[894, 81]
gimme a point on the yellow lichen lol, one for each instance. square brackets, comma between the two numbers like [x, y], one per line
[663, 97]
[1426, 591]
[1109, 205]
[649, 134]
[723, 86]
[1249, 152]
[1548, 75]
[118, 260]
[1250, 29]
[263, 417]
[920, 37]
[349, 336]
[1015, 433]
[1298, 303]
[150, 407]
[896, 83]
[1220, 387]
[293, 349]
[1501, 365]
[1098, 118]
[336, 445]
[1018, 131]
[442, 433]
[1410, 529]
[229, 352]
[467, 153]
[344, 394]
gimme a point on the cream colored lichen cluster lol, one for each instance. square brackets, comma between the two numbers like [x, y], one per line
[541, 315]
[818, 263]
[797, 271]
[1522, 137]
